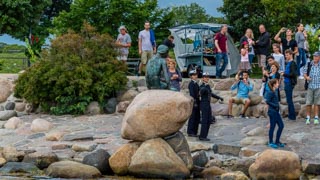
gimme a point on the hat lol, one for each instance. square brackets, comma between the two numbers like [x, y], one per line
[123, 27]
[205, 74]
[244, 43]
[162, 49]
[317, 53]
[192, 72]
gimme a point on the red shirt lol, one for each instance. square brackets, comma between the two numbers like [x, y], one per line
[222, 41]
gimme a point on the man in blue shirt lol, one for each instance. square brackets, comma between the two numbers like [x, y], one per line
[244, 86]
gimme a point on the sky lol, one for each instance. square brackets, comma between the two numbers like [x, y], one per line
[209, 5]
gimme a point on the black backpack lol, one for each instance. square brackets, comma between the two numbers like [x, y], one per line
[306, 83]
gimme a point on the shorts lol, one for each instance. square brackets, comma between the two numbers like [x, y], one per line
[240, 100]
[262, 60]
[313, 97]
[122, 57]
[145, 56]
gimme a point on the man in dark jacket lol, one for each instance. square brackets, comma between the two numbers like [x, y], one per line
[263, 46]
[194, 119]
[290, 80]
[169, 42]
[206, 114]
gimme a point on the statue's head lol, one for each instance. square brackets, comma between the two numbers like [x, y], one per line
[163, 51]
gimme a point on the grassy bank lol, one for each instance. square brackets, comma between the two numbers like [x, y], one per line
[12, 62]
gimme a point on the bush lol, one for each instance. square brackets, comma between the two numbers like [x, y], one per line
[75, 70]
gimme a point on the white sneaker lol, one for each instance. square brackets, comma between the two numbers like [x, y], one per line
[301, 77]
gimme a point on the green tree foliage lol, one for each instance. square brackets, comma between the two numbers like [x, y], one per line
[77, 68]
[274, 14]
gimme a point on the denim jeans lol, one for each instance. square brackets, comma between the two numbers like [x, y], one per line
[251, 56]
[275, 119]
[301, 60]
[288, 88]
[219, 69]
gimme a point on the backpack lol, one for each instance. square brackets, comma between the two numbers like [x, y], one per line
[306, 83]
[293, 80]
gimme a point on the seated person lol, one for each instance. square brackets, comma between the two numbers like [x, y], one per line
[244, 86]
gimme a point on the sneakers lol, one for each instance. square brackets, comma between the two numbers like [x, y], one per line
[273, 145]
[307, 121]
[229, 116]
[243, 116]
[316, 121]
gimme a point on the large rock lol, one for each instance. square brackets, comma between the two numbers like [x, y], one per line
[111, 106]
[238, 175]
[5, 90]
[258, 131]
[155, 113]
[254, 140]
[128, 95]
[93, 108]
[80, 147]
[13, 123]
[54, 136]
[122, 106]
[219, 109]
[99, 159]
[71, 169]
[311, 167]
[212, 172]
[20, 106]
[5, 115]
[121, 159]
[10, 106]
[180, 145]
[19, 167]
[11, 154]
[276, 164]
[200, 159]
[156, 159]
[41, 159]
[41, 125]
[255, 99]
[224, 85]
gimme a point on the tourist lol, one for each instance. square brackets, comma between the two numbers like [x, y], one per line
[265, 73]
[290, 80]
[301, 58]
[278, 57]
[221, 49]
[194, 119]
[147, 45]
[262, 45]
[123, 42]
[249, 38]
[312, 76]
[244, 60]
[273, 74]
[169, 42]
[288, 42]
[244, 86]
[174, 75]
[156, 68]
[272, 100]
[206, 114]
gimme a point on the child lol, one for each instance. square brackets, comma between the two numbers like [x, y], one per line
[278, 57]
[273, 101]
[206, 94]
[194, 120]
[244, 61]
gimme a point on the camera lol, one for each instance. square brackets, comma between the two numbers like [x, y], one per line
[240, 77]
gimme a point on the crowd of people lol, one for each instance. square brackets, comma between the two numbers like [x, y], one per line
[288, 61]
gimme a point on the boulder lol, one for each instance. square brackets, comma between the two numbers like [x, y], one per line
[276, 164]
[198, 146]
[2, 161]
[258, 131]
[219, 109]
[155, 113]
[242, 164]
[237, 109]
[41, 125]
[311, 167]
[200, 159]
[224, 85]
[41, 159]
[71, 169]
[20, 106]
[5, 115]
[156, 159]
[19, 167]
[238, 175]
[122, 106]
[12, 155]
[80, 135]
[54, 136]
[259, 110]
[10, 106]
[111, 106]
[5, 90]
[99, 159]
[128, 95]
[212, 172]
[93, 108]
[180, 145]
[255, 99]
[121, 159]
[13, 123]
[80, 147]
[254, 140]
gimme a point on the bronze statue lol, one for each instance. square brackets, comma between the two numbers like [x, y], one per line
[157, 72]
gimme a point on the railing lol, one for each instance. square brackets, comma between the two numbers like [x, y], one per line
[133, 65]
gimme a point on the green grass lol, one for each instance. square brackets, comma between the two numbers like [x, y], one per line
[12, 62]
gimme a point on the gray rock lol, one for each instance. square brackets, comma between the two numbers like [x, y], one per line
[5, 115]
[1, 108]
[200, 159]
[37, 135]
[10, 106]
[122, 106]
[78, 136]
[99, 159]
[70, 169]
[311, 167]
[22, 142]
[111, 106]
[18, 167]
[228, 149]
[180, 145]
[93, 108]
[41, 159]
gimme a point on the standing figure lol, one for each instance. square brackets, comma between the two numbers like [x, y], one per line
[244, 54]
[221, 47]
[272, 100]
[123, 42]
[147, 45]
[249, 38]
[301, 58]
[174, 75]
[206, 114]
[288, 42]
[262, 45]
[194, 119]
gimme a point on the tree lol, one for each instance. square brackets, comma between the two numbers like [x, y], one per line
[189, 14]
